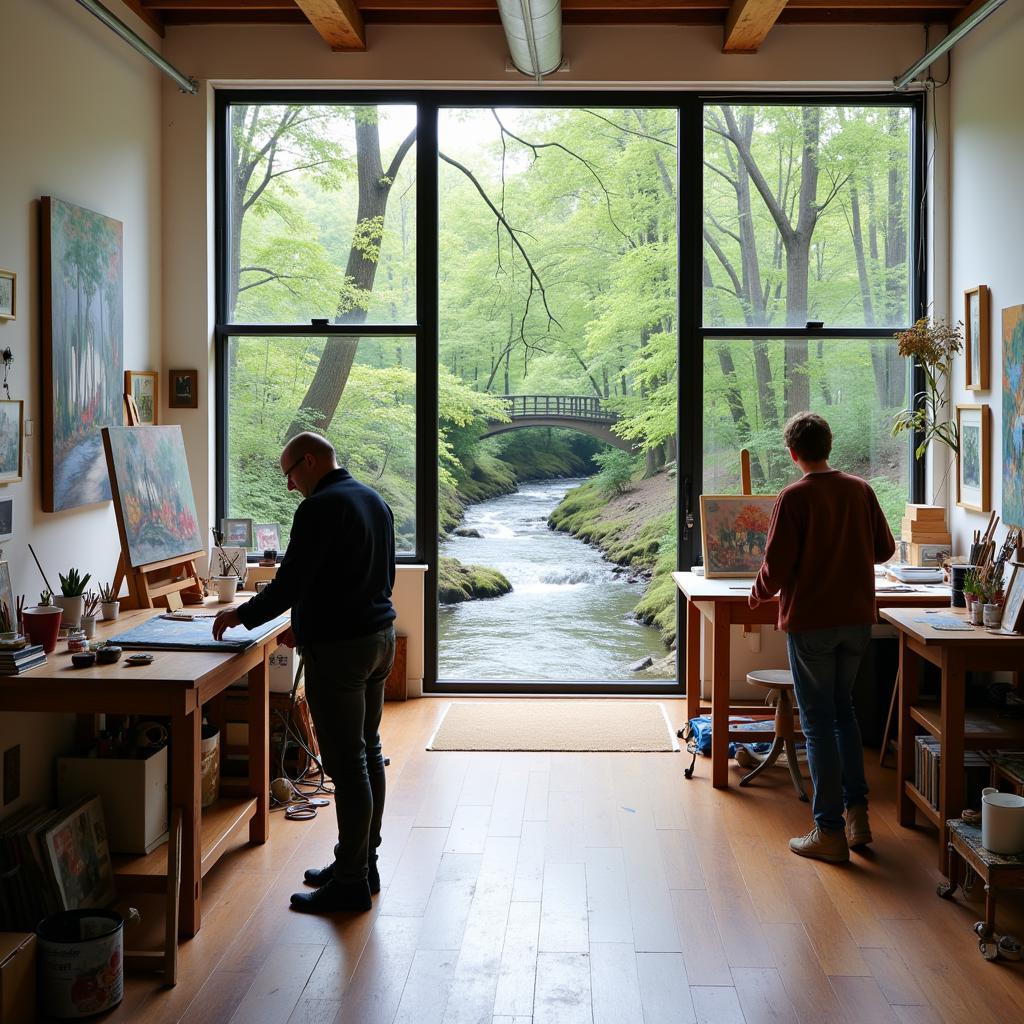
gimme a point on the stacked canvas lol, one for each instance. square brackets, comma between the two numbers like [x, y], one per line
[924, 539]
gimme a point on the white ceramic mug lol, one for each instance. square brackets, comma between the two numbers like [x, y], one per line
[1002, 821]
[225, 587]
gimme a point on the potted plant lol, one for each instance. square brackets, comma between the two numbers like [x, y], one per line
[972, 590]
[42, 622]
[72, 596]
[90, 612]
[109, 604]
[933, 344]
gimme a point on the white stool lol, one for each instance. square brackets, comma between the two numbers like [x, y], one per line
[779, 683]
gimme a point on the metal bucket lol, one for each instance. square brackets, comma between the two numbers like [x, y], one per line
[81, 967]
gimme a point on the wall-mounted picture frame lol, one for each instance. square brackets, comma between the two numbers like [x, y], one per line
[142, 385]
[183, 390]
[267, 536]
[6, 519]
[1013, 601]
[733, 532]
[12, 422]
[977, 371]
[237, 533]
[973, 482]
[1013, 417]
[8, 295]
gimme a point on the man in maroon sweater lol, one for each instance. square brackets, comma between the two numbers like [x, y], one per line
[826, 534]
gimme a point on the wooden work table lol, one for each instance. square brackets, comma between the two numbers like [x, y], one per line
[176, 684]
[956, 727]
[723, 602]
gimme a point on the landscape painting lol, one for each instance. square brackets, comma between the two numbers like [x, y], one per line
[83, 326]
[734, 528]
[156, 510]
[1013, 416]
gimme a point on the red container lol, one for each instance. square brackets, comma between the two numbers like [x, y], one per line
[42, 624]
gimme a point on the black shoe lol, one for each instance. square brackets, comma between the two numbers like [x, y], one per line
[334, 896]
[321, 876]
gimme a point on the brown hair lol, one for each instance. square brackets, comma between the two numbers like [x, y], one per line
[809, 436]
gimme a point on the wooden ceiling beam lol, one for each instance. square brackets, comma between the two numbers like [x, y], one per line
[748, 23]
[338, 21]
[152, 20]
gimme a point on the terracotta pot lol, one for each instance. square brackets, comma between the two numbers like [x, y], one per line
[42, 624]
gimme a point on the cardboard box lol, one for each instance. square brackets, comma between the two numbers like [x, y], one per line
[925, 513]
[931, 555]
[133, 793]
[17, 977]
[924, 533]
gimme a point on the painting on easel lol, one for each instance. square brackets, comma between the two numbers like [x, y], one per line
[83, 327]
[156, 510]
[734, 529]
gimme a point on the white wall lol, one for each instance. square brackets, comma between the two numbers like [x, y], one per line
[81, 122]
[986, 210]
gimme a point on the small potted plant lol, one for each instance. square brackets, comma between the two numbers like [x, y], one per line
[972, 591]
[90, 612]
[42, 623]
[72, 596]
[109, 604]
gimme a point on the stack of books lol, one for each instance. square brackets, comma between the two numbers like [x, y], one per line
[17, 660]
[924, 539]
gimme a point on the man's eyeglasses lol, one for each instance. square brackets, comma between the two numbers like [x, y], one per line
[291, 469]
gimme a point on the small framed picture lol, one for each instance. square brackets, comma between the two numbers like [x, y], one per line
[142, 386]
[8, 295]
[733, 530]
[228, 561]
[972, 462]
[184, 389]
[1013, 601]
[11, 422]
[976, 342]
[6, 519]
[237, 532]
[267, 536]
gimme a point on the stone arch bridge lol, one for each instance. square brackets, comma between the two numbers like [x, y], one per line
[583, 413]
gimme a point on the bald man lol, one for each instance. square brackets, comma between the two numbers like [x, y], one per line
[336, 577]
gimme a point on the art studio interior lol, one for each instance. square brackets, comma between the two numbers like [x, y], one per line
[559, 280]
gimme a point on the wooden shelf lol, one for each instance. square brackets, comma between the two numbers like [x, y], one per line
[982, 727]
[922, 803]
[220, 820]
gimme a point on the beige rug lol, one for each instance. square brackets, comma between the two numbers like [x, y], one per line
[542, 724]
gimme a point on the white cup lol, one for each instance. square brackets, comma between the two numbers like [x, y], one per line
[225, 587]
[1002, 821]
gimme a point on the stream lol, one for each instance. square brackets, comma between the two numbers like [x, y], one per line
[568, 617]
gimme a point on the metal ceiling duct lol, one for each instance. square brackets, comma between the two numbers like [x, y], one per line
[533, 29]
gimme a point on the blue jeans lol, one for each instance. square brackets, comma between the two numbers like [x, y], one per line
[824, 663]
[345, 691]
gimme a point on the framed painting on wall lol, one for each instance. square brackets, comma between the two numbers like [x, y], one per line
[184, 389]
[6, 519]
[8, 295]
[153, 500]
[1013, 416]
[973, 487]
[83, 329]
[11, 450]
[733, 531]
[142, 386]
[976, 339]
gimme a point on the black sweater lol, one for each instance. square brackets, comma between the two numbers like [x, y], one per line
[338, 571]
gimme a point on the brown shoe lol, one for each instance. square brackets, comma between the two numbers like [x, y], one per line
[858, 829]
[830, 846]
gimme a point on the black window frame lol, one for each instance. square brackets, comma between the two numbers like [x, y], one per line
[692, 334]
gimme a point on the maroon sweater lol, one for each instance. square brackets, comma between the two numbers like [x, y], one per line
[826, 534]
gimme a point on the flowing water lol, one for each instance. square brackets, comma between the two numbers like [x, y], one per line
[568, 616]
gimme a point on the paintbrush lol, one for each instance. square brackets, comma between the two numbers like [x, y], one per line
[41, 573]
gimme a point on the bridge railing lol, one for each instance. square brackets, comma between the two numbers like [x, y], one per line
[581, 407]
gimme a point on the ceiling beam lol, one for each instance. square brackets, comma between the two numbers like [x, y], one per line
[338, 21]
[151, 19]
[748, 23]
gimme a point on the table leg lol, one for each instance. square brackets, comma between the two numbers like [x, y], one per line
[259, 747]
[907, 684]
[951, 767]
[720, 633]
[186, 733]
[692, 660]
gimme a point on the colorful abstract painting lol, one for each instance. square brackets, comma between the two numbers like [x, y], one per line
[1013, 416]
[156, 510]
[83, 327]
[734, 528]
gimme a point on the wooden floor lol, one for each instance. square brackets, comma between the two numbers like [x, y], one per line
[564, 888]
